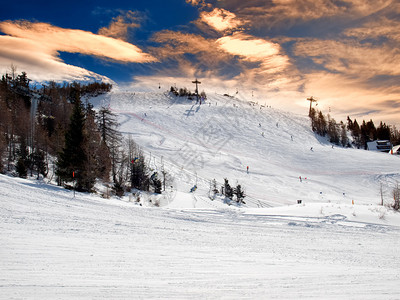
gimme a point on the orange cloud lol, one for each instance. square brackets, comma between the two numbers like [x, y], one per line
[32, 57]
[268, 54]
[248, 47]
[119, 26]
[269, 14]
[381, 28]
[201, 3]
[34, 48]
[176, 44]
[350, 57]
[56, 39]
[220, 19]
[193, 2]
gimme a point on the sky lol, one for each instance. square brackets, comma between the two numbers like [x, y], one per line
[344, 53]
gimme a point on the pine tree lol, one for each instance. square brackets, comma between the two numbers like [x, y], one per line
[371, 130]
[321, 124]
[313, 117]
[72, 158]
[364, 135]
[228, 191]
[107, 123]
[344, 140]
[157, 184]
[122, 173]
[214, 188]
[350, 124]
[92, 142]
[104, 161]
[38, 163]
[111, 138]
[356, 134]
[22, 162]
[383, 132]
[332, 131]
[139, 172]
[238, 191]
[394, 135]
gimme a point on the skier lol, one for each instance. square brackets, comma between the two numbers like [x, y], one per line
[247, 169]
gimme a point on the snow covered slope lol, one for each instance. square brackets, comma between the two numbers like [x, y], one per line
[224, 135]
[55, 246]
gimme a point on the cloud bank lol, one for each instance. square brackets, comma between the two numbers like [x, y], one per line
[35, 47]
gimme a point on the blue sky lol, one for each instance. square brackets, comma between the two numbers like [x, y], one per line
[344, 53]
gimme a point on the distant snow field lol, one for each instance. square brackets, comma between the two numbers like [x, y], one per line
[57, 246]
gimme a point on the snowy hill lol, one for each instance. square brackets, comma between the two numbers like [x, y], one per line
[224, 135]
[59, 246]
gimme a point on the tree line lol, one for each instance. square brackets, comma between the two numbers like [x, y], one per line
[184, 92]
[361, 134]
[51, 131]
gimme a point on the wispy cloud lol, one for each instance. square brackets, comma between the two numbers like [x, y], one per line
[382, 29]
[278, 13]
[120, 25]
[202, 3]
[350, 57]
[248, 47]
[220, 19]
[239, 51]
[261, 61]
[178, 45]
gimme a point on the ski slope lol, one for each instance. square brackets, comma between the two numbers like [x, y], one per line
[221, 137]
[57, 246]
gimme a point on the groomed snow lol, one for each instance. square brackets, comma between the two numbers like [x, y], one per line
[57, 246]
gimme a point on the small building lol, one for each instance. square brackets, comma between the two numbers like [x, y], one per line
[395, 150]
[380, 146]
